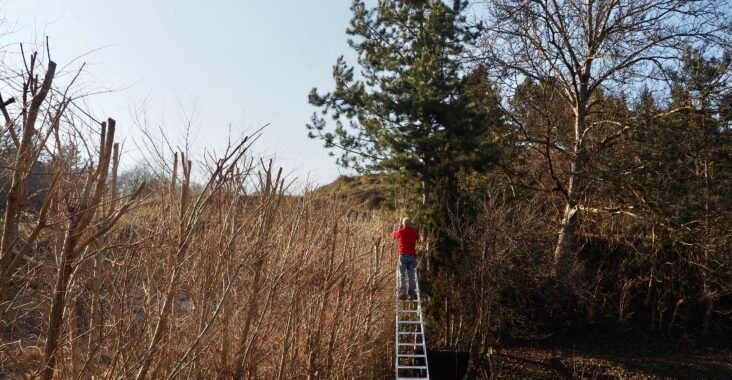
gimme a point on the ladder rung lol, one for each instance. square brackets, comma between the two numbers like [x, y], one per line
[409, 311]
[412, 355]
[412, 366]
[410, 344]
[409, 332]
[410, 322]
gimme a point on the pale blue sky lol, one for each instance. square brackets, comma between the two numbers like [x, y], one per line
[241, 63]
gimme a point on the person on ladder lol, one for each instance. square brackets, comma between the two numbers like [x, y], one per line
[407, 237]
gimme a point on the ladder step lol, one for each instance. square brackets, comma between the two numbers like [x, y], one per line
[410, 322]
[410, 344]
[409, 311]
[412, 356]
[412, 366]
[409, 332]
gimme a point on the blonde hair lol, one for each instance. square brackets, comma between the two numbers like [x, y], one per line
[407, 222]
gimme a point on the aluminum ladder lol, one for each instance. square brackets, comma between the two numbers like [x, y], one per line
[411, 348]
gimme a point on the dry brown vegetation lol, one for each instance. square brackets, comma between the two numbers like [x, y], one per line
[230, 279]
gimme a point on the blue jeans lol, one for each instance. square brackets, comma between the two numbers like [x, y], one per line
[407, 263]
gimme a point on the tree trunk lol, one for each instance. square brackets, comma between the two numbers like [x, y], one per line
[565, 242]
[55, 317]
[23, 163]
[708, 308]
[55, 320]
[566, 237]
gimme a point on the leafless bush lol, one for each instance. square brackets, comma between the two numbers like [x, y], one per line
[502, 263]
[231, 279]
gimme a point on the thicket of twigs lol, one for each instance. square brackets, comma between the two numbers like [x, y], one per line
[659, 266]
[231, 278]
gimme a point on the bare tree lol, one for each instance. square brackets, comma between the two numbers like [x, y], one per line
[28, 147]
[584, 47]
[82, 230]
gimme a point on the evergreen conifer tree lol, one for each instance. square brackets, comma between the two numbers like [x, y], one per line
[413, 105]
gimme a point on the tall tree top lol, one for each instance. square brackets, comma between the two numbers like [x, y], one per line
[401, 109]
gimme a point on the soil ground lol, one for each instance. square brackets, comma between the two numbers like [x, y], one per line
[617, 356]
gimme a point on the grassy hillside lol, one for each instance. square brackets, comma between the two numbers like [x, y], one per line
[365, 191]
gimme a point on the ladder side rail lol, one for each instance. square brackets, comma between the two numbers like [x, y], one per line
[396, 324]
[421, 321]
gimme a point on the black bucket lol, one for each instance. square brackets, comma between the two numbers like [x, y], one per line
[447, 365]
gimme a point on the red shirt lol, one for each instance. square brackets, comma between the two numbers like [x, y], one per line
[408, 237]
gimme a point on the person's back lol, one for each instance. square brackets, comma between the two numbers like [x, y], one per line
[407, 237]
